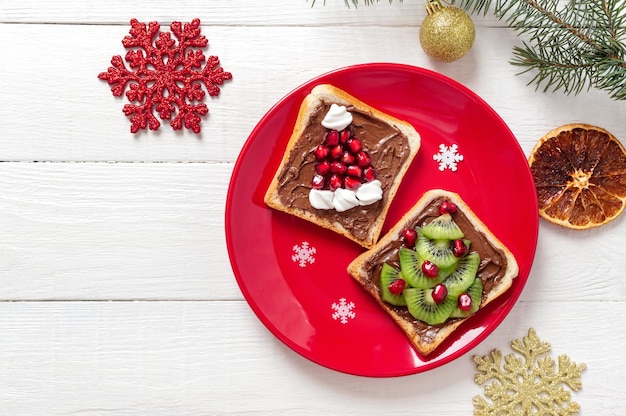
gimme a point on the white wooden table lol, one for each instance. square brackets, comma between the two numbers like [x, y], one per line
[117, 296]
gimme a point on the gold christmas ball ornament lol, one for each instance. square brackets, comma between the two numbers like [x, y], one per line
[447, 33]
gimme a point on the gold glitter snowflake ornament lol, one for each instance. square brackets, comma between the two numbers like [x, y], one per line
[532, 385]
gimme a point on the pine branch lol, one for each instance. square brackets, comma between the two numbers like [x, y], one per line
[578, 46]
[571, 47]
[355, 3]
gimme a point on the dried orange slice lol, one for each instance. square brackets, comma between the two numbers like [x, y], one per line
[580, 176]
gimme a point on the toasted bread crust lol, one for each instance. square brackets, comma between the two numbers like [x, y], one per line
[427, 344]
[325, 94]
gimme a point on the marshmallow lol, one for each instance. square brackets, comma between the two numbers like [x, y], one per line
[369, 192]
[321, 199]
[337, 118]
[344, 200]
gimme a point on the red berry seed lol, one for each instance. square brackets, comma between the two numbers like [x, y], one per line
[332, 138]
[465, 302]
[336, 152]
[397, 286]
[334, 182]
[351, 183]
[459, 248]
[354, 144]
[354, 171]
[338, 167]
[363, 159]
[440, 292]
[409, 236]
[323, 167]
[317, 182]
[348, 158]
[430, 269]
[447, 207]
[369, 174]
[321, 152]
[344, 135]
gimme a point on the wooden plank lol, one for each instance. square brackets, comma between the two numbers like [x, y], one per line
[240, 13]
[59, 104]
[197, 358]
[114, 230]
[156, 231]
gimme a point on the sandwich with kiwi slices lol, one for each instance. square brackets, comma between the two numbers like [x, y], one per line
[437, 267]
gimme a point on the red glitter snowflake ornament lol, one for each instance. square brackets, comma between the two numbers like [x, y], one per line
[168, 78]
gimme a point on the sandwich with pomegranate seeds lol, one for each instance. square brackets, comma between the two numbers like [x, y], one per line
[343, 164]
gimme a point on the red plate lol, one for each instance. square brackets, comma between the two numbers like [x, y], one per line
[293, 273]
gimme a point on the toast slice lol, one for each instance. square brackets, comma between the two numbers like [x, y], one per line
[389, 145]
[497, 269]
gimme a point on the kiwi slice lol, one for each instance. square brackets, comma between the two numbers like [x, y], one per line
[475, 291]
[388, 274]
[411, 266]
[421, 306]
[438, 251]
[442, 228]
[463, 275]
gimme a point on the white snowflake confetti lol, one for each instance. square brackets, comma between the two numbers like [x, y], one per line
[448, 157]
[343, 311]
[304, 254]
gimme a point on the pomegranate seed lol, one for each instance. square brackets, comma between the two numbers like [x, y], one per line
[440, 292]
[334, 182]
[332, 138]
[321, 152]
[430, 269]
[363, 159]
[447, 207]
[369, 174]
[354, 144]
[397, 286]
[336, 152]
[459, 248]
[354, 171]
[344, 135]
[323, 167]
[317, 182]
[338, 167]
[465, 302]
[351, 183]
[348, 158]
[409, 236]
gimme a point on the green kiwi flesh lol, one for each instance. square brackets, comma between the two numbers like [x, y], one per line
[464, 275]
[475, 291]
[421, 306]
[459, 275]
[411, 266]
[436, 251]
[388, 274]
[442, 228]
